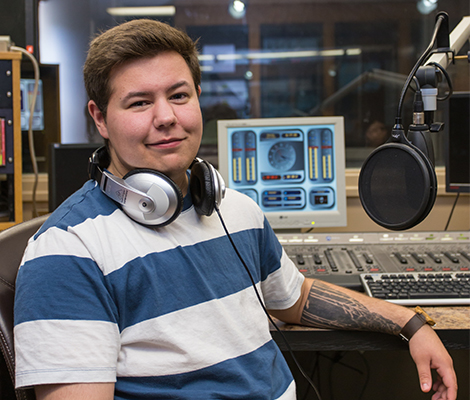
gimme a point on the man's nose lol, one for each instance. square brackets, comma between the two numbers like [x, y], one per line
[164, 114]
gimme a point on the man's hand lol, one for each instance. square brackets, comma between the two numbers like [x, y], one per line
[428, 353]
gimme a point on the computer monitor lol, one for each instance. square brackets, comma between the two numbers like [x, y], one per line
[27, 90]
[68, 170]
[457, 137]
[294, 168]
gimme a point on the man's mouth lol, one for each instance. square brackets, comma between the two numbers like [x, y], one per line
[166, 143]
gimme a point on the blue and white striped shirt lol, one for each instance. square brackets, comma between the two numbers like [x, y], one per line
[166, 313]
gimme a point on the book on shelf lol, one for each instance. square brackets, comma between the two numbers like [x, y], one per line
[2, 142]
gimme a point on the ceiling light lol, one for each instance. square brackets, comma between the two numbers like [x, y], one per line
[426, 6]
[238, 6]
[157, 11]
[279, 55]
[237, 9]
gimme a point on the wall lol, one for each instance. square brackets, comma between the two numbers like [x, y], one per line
[64, 27]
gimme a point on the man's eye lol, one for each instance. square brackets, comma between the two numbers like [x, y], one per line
[139, 103]
[179, 96]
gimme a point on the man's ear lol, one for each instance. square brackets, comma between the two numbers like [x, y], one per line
[199, 90]
[99, 119]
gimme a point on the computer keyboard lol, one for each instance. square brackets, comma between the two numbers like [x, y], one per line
[419, 288]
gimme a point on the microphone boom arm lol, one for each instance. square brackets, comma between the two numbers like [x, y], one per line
[457, 39]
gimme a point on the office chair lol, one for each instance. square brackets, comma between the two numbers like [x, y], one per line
[12, 244]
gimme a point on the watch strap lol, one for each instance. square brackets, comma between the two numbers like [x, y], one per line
[415, 323]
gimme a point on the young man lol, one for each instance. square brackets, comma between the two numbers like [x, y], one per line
[109, 308]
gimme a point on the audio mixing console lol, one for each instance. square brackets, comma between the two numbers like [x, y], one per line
[340, 258]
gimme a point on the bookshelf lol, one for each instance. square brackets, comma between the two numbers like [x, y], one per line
[11, 201]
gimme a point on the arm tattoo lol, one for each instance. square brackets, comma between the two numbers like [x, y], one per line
[332, 309]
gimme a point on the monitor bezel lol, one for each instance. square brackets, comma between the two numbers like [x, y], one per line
[451, 186]
[304, 218]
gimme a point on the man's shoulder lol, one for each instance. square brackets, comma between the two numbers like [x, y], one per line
[87, 203]
[242, 211]
[238, 198]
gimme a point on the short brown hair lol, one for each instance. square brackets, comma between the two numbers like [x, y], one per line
[129, 41]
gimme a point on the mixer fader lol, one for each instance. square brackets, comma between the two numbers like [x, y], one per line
[340, 258]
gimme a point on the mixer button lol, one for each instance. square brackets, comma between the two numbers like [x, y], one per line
[451, 257]
[400, 258]
[417, 257]
[300, 259]
[435, 258]
[317, 259]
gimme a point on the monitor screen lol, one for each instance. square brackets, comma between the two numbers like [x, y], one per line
[457, 133]
[27, 90]
[294, 168]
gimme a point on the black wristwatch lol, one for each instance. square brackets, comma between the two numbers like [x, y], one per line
[415, 323]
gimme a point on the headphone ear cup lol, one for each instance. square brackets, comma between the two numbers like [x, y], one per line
[397, 186]
[162, 190]
[202, 187]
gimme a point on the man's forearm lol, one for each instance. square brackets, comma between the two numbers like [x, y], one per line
[76, 391]
[329, 306]
[324, 305]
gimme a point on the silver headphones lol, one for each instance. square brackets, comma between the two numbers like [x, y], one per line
[150, 197]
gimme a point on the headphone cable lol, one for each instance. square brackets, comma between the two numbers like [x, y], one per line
[264, 307]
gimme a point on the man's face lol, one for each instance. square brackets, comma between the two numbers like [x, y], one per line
[153, 117]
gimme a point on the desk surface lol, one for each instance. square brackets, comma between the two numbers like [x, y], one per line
[452, 326]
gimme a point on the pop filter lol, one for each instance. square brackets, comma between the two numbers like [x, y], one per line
[397, 184]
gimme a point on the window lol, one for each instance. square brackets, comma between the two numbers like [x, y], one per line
[297, 58]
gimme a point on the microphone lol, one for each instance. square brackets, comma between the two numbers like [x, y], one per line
[397, 182]
[419, 133]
